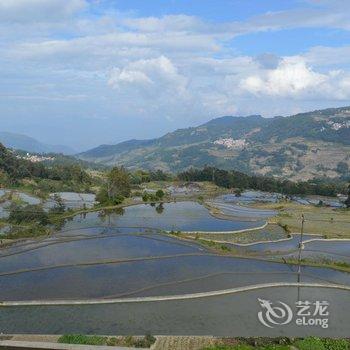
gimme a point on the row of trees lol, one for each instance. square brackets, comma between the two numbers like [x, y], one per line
[119, 180]
[142, 176]
[236, 179]
[13, 169]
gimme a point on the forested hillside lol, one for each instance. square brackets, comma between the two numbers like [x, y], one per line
[18, 171]
[300, 147]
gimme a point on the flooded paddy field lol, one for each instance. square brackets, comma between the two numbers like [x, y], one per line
[72, 200]
[176, 216]
[105, 263]
[279, 246]
[326, 250]
[157, 283]
[226, 313]
[247, 197]
[315, 247]
[238, 210]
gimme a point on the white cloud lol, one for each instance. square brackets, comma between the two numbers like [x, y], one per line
[291, 77]
[38, 10]
[173, 67]
[294, 78]
[327, 56]
[151, 84]
[174, 23]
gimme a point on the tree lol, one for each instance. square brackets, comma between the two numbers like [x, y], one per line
[28, 213]
[347, 201]
[118, 183]
[59, 207]
[238, 192]
[160, 194]
[3, 178]
[160, 208]
[145, 196]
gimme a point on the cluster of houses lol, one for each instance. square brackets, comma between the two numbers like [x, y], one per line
[35, 158]
[231, 143]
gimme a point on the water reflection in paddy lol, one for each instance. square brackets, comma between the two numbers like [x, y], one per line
[232, 209]
[104, 247]
[186, 274]
[313, 247]
[320, 250]
[183, 216]
[106, 261]
[150, 264]
[282, 245]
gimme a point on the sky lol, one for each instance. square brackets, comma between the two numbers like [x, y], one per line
[89, 72]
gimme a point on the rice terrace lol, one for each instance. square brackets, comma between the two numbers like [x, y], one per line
[175, 175]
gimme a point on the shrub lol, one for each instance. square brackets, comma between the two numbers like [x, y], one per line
[82, 339]
[160, 194]
[28, 213]
[310, 343]
[336, 344]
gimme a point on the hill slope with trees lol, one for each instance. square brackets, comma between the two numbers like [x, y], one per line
[300, 147]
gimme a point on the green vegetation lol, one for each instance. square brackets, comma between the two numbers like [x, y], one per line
[236, 179]
[138, 342]
[347, 201]
[39, 178]
[321, 262]
[283, 147]
[34, 230]
[310, 343]
[321, 220]
[60, 207]
[116, 188]
[82, 339]
[28, 214]
[313, 343]
[150, 197]
[269, 233]
[141, 176]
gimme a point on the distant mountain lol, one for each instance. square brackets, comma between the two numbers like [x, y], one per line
[29, 144]
[302, 146]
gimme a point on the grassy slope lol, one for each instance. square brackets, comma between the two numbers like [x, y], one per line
[333, 223]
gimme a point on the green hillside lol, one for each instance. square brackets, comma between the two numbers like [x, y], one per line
[303, 146]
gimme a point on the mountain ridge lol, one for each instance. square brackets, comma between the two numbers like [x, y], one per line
[30, 144]
[301, 146]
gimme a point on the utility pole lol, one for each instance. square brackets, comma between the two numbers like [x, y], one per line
[301, 246]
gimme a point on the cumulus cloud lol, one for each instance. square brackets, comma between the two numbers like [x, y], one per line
[158, 74]
[294, 78]
[152, 85]
[291, 77]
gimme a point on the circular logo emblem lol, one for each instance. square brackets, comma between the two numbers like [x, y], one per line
[274, 315]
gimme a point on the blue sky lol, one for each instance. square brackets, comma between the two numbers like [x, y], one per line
[83, 73]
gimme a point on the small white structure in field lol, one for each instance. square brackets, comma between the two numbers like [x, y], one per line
[231, 143]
